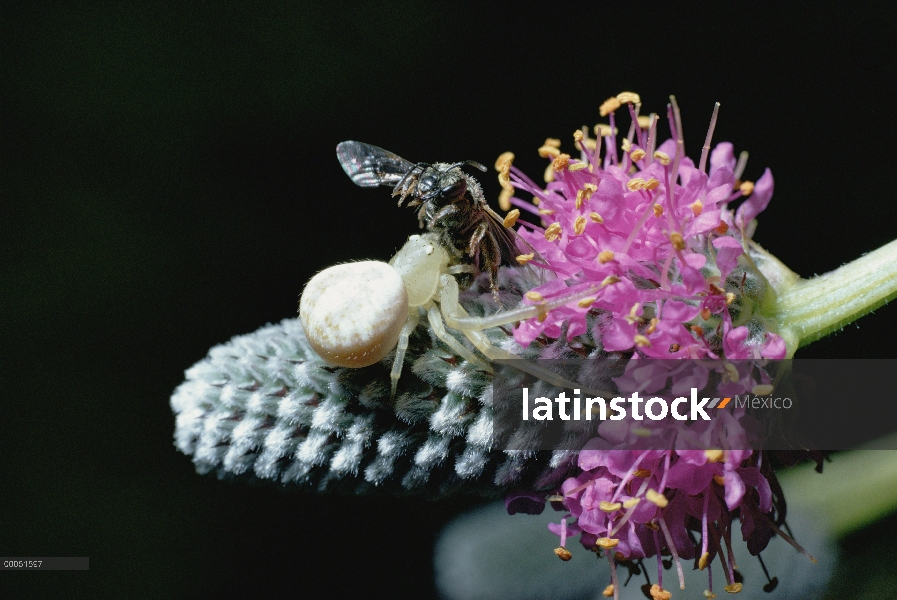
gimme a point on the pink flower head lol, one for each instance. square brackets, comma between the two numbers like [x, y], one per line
[660, 241]
[653, 234]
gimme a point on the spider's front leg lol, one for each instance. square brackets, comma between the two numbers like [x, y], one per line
[456, 317]
[401, 348]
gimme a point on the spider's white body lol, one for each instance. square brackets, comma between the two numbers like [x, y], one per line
[354, 314]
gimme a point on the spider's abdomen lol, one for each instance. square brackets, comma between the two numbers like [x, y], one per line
[353, 313]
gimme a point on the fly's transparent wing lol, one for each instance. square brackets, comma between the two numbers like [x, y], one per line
[370, 166]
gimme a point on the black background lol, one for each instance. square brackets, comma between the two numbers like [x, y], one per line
[169, 181]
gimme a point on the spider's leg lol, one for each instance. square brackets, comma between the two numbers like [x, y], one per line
[454, 313]
[410, 326]
[456, 269]
[456, 320]
[456, 346]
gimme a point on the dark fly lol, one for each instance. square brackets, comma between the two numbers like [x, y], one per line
[451, 203]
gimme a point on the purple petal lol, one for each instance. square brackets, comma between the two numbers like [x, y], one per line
[757, 202]
[722, 156]
[728, 249]
[735, 489]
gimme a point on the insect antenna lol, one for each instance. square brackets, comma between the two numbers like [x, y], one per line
[471, 163]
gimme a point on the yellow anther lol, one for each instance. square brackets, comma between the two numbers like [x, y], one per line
[605, 256]
[624, 97]
[626, 145]
[764, 389]
[641, 431]
[608, 591]
[733, 588]
[504, 159]
[563, 553]
[656, 498]
[609, 106]
[641, 341]
[652, 184]
[709, 595]
[577, 135]
[586, 302]
[553, 232]
[635, 184]
[731, 373]
[641, 473]
[589, 143]
[504, 199]
[674, 348]
[644, 122]
[677, 241]
[697, 207]
[702, 562]
[579, 225]
[658, 593]
[549, 176]
[722, 228]
[652, 525]
[631, 502]
[511, 218]
[603, 130]
[504, 179]
[560, 162]
[547, 151]
[534, 296]
[609, 506]
[747, 188]
[719, 479]
[596, 217]
[536, 200]
[658, 210]
[714, 455]
[730, 298]
[577, 166]
[662, 157]
[606, 542]
[522, 259]
[552, 142]
[585, 193]
[546, 211]
[610, 279]
[542, 316]
[652, 326]
[637, 154]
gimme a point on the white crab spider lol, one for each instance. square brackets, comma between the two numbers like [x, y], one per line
[354, 314]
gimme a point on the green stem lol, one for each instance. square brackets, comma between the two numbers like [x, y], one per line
[812, 308]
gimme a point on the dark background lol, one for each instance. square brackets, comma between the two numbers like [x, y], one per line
[169, 181]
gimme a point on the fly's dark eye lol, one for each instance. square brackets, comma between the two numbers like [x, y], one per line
[454, 190]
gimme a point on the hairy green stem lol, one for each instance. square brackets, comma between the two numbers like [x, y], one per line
[812, 308]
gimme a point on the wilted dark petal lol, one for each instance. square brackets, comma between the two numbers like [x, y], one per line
[526, 502]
